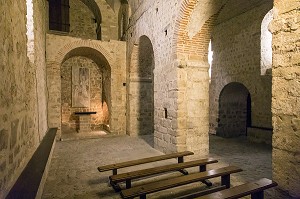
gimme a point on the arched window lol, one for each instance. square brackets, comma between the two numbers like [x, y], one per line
[210, 58]
[266, 44]
[30, 30]
[59, 15]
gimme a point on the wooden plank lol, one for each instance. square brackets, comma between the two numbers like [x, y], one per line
[27, 185]
[161, 169]
[143, 161]
[178, 181]
[242, 190]
[202, 193]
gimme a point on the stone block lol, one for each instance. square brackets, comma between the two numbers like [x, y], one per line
[14, 133]
[3, 139]
[287, 179]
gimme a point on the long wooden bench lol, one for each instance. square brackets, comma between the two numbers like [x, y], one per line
[128, 177]
[115, 167]
[143, 190]
[255, 189]
[30, 182]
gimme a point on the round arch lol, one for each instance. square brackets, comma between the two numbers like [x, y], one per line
[140, 97]
[193, 29]
[84, 48]
[234, 110]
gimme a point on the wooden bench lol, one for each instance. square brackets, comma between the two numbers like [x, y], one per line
[255, 189]
[115, 167]
[128, 177]
[30, 182]
[142, 190]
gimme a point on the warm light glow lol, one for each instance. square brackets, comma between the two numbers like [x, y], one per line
[210, 58]
[30, 31]
[266, 43]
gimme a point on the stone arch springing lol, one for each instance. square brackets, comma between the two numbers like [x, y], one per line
[234, 110]
[94, 8]
[193, 29]
[92, 5]
[140, 120]
[266, 44]
[192, 33]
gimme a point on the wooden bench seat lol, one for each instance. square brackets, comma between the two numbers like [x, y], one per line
[30, 182]
[179, 181]
[255, 189]
[116, 166]
[128, 177]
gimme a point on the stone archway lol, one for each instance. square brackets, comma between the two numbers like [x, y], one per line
[234, 110]
[97, 89]
[190, 43]
[140, 120]
[90, 50]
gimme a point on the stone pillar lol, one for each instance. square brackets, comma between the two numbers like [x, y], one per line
[54, 97]
[286, 95]
[193, 107]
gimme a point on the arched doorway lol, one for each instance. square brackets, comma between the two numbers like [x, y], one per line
[88, 68]
[234, 110]
[141, 89]
[83, 86]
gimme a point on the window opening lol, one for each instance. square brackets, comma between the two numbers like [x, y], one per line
[30, 30]
[59, 15]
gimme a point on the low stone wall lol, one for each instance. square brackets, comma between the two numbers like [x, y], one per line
[259, 135]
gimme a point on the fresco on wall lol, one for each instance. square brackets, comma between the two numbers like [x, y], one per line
[80, 87]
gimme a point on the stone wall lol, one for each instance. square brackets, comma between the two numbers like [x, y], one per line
[111, 54]
[181, 69]
[21, 125]
[84, 24]
[285, 95]
[39, 8]
[69, 119]
[82, 21]
[143, 22]
[236, 47]
[109, 25]
[140, 110]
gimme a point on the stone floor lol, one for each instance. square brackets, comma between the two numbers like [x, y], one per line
[73, 170]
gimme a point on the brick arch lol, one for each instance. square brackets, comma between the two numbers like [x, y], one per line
[62, 53]
[54, 65]
[195, 48]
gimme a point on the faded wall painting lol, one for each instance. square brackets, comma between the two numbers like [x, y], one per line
[80, 87]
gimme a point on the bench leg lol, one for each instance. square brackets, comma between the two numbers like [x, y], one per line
[115, 172]
[202, 168]
[207, 182]
[143, 196]
[225, 180]
[180, 159]
[258, 195]
[183, 171]
[128, 184]
[115, 186]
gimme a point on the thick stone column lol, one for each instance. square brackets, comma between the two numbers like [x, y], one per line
[193, 107]
[286, 95]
